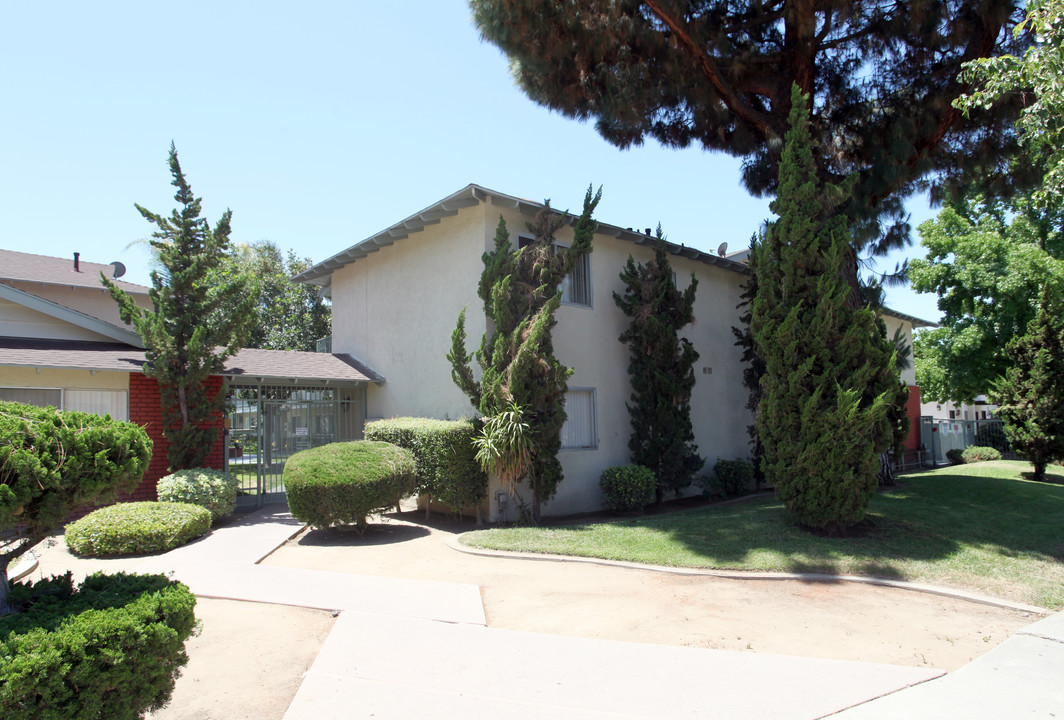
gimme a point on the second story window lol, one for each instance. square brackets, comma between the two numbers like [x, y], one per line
[576, 287]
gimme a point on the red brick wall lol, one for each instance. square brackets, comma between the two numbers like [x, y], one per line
[145, 409]
[912, 411]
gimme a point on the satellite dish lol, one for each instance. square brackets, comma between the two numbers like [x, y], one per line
[722, 249]
[120, 269]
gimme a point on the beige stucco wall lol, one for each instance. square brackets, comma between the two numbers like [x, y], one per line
[91, 301]
[396, 309]
[909, 375]
[56, 378]
[586, 339]
[20, 321]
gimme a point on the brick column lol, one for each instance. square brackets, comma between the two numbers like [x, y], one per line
[912, 411]
[145, 409]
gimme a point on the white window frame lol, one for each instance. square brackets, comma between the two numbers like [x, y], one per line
[583, 264]
[593, 430]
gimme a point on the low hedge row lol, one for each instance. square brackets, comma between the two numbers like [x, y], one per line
[112, 648]
[447, 469]
[344, 483]
[137, 528]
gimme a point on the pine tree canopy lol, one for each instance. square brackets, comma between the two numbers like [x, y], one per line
[199, 318]
[718, 74]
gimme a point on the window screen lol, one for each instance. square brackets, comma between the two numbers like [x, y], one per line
[41, 397]
[98, 402]
[579, 430]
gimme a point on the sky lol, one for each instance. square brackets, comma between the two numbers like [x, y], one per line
[318, 124]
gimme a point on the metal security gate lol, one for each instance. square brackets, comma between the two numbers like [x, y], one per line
[270, 423]
[941, 436]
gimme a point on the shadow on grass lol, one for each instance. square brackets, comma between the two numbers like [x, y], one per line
[925, 518]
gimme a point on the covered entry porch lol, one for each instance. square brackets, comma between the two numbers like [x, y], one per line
[271, 417]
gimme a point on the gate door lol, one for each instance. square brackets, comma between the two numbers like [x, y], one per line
[270, 423]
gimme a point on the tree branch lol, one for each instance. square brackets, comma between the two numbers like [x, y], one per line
[709, 69]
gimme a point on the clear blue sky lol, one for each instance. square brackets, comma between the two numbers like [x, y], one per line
[317, 123]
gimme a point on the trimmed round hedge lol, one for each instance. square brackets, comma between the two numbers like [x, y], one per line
[628, 487]
[211, 489]
[111, 648]
[344, 483]
[137, 528]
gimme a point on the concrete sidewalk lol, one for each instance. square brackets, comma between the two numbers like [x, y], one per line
[411, 648]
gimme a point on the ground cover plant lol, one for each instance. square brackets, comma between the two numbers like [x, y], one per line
[110, 648]
[137, 528]
[984, 528]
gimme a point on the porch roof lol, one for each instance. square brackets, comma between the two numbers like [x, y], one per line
[287, 365]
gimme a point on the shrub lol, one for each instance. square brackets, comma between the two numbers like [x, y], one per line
[628, 487]
[52, 462]
[975, 453]
[137, 528]
[733, 477]
[343, 483]
[955, 456]
[447, 469]
[211, 489]
[110, 649]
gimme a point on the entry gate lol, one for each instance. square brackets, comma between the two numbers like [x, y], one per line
[270, 423]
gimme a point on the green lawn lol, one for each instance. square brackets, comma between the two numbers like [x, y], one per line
[979, 527]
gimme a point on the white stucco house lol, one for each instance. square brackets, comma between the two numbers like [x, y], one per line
[397, 294]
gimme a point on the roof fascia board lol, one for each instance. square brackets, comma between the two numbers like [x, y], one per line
[74, 317]
[469, 196]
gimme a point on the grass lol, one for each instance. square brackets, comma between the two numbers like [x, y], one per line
[980, 527]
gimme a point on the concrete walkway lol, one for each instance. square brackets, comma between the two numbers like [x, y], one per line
[410, 648]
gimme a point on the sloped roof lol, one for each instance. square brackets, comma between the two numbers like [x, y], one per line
[247, 363]
[49, 270]
[321, 274]
[66, 314]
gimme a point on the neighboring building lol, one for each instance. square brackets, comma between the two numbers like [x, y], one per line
[62, 343]
[397, 295]
[979, 409]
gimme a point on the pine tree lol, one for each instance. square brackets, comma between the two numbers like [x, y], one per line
[520, 289]
[821, 431]
[718, 73]
[1031, 394]
[199, 318]
[661, 370]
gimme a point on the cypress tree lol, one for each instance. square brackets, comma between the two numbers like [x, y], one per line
[520, 289]
[821, 431]
[661, 370]
[200, 317]
[1031, 394]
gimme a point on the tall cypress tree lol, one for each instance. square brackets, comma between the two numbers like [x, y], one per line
[1031, 394]
[661, 370]
[520, 289]
[200, 317]
[821, 431]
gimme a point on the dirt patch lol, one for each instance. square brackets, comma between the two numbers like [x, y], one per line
[247, 661]
[817, 619]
